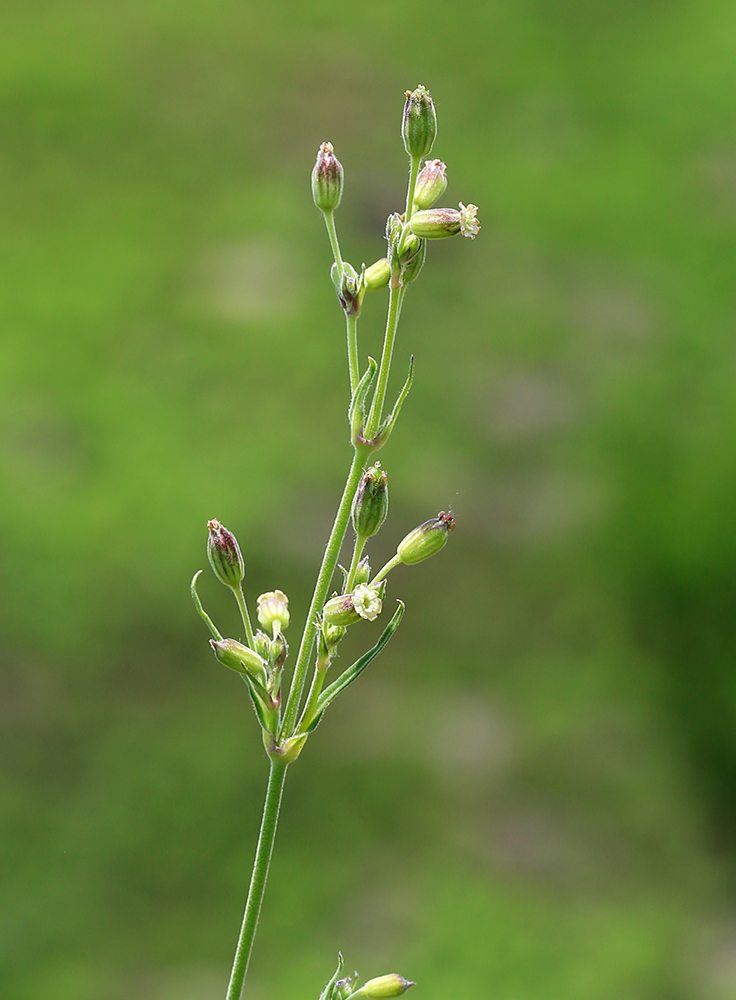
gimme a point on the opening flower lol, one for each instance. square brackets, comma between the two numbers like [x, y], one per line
[367, 602]
[469, 225]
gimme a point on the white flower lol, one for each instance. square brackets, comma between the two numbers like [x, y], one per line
[469, 225]
[366, 602]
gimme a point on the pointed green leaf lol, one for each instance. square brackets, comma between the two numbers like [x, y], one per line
[198, 604]
[388, 424]
[349, 675]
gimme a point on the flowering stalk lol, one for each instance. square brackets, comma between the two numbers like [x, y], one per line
[287, 726]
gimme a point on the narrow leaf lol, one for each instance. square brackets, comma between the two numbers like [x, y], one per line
[198, 604]
[349, 675]
[388, 424]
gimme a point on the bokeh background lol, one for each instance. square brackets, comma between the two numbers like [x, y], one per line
[530, 795]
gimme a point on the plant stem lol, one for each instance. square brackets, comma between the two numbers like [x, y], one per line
[395, 298]
[266, 838]
[329, 561]
[386, 569]
[413, 171]
[353, 366]
[357, 553]
[320, 671]
[245, 616]
[332, 233]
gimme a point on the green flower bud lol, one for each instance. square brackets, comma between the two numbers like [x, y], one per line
[278, 650]
[431, 184]
[426, 540]
[350, 288]
[419, 123]
[436, 223]
[331, 636]
[344, 987]
[262, 644]
[411, 269]
[224, 555]
[364, 602]
[273, 611]
[370, 506]
[409, 247]
[327, 178]
[377, 275]
[384, 987]
[363, 572]
[238, 657]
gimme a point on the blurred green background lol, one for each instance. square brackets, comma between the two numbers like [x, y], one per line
[529, 796]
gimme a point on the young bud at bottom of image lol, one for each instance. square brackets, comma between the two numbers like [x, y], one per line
[426, 540]
[384, 987]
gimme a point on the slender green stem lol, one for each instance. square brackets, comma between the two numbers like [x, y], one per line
[329, 561]
[357, 553]
[332, 233]
[320, 672]
[257, 888]
[385, 570]
[395, 298]
[353, 365]
[245, 616]
[413, 171]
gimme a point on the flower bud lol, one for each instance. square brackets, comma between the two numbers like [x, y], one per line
[327, 178]
[363, 571]
[384, 987]
[278, 650]
[238, 657]
[224, 555]
[331, 636]
[377, 275]
[431, 184]
[273, 611]
[262, 644]
[364, 602]
[436, 223]
[410, 270]
[350, 288]
[426, 540]
[371, 502]
[419, 123]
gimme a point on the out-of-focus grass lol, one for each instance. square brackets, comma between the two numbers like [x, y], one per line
[530, 793]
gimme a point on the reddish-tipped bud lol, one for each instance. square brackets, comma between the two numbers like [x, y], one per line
[224, 555]
[431, 184]
[370, 506]
[419, 122]
[327, 179]
[437, 223]
[426, 540]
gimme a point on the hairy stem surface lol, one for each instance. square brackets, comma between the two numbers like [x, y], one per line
[266, 838]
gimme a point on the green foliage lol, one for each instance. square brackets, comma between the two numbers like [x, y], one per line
[168, 322]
